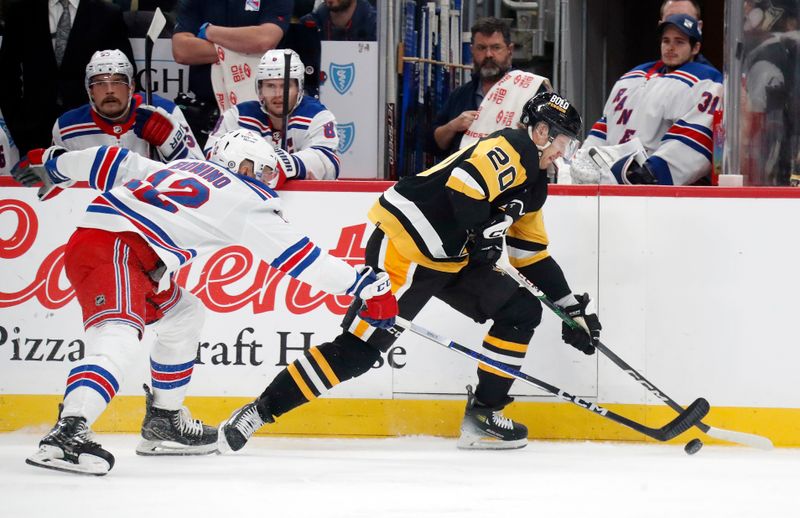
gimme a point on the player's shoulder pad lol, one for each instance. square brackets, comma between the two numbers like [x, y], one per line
[309, 107]
[250, 109]
[165, 104]
[702, 72]
[521, 143]
[79, 115]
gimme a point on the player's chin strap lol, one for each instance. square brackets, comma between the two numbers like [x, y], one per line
[752, 440]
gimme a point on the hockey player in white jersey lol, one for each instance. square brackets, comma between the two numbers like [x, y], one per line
[117, 116]
[311, 140]
[149, 220]
[666, 107]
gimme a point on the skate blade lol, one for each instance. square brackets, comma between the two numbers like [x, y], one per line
[473, 442]
[49, 458]
[156, 448]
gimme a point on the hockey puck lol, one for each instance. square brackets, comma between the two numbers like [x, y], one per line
[693, 446]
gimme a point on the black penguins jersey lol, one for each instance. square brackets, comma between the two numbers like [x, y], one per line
[429, 218]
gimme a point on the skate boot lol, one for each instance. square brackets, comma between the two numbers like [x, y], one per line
[240, 426]
[68, 447]
[174, 432]
[486, 428]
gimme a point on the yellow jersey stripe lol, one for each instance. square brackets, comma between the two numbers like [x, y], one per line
[325, 366]
[300, 382]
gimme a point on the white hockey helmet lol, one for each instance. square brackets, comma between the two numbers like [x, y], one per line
[272, 66]
[109, 62]
[236, 146]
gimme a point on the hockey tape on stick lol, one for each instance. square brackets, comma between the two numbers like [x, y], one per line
[752, 440]
[287, 61]
[685, 420]
[156, 26]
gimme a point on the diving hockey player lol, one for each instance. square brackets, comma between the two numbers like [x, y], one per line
[663, 109]
[150, 220]
[439, 234]
[117, 116]
[311, 140]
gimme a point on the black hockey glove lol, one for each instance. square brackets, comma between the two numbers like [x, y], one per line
[488, 242]
[585, 337]
[640, 174]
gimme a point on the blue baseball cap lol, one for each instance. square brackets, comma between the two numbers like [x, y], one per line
[684, 23]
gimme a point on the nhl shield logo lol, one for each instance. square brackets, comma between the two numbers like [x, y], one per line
[343, 76]
[347, 134]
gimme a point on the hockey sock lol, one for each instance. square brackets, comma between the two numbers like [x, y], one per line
[93, 383]
[317, 371]
[174, 352]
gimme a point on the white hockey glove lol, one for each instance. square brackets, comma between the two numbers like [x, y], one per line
[379, 307]
[34, 167]
[287, 169]
[156, 126]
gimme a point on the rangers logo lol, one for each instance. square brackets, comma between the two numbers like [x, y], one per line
[343, 76]
[347, 134]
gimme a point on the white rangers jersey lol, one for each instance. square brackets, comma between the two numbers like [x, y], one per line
[188, 208]
[83, 127]
[311, 139]
[671, 113]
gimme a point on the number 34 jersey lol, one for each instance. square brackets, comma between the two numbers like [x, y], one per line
[188, 208]
[430, 217]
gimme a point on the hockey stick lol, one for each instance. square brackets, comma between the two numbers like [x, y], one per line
[156, 26]
[674, 428]
[287, 63]
[752, 440]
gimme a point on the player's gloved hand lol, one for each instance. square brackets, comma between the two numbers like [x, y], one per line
[379, 307]
[286, 169]
[156, 126]
[585, 337]
[640, 174]
[488, 244]
[31, 169]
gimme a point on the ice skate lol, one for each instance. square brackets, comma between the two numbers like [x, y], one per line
[68, 447]
[486, 428]
[174, 432]
[239, 427]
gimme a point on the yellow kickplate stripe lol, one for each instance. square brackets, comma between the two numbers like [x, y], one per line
[325, 366]
[396, 417]
[301, 384]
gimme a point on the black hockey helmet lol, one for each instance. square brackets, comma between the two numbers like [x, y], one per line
[556, 111]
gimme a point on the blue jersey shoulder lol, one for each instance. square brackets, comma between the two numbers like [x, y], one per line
[309, 107]
[251, 109]
[79, 115]
[702, 71]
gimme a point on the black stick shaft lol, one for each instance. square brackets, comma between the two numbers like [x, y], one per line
[287, 63]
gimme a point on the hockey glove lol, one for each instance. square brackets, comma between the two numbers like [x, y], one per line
[585, 337]
[287, 169]
[379, 307]
[640, 174]
[488, 241]
[33, 168]
[157, 127]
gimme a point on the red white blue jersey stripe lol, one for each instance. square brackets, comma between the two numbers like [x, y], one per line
[295, 259]
[95, 378]
[167, 377]
[105, 167]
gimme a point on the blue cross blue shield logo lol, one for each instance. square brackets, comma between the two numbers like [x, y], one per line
[343, 76]
[347, 134]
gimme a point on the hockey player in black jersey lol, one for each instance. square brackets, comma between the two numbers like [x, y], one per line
[439, 234]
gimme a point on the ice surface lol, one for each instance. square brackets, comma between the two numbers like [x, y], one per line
[409, 477]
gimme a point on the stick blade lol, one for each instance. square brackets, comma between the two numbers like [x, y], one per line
[157, 25]
[693, 414]
[747, 439]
